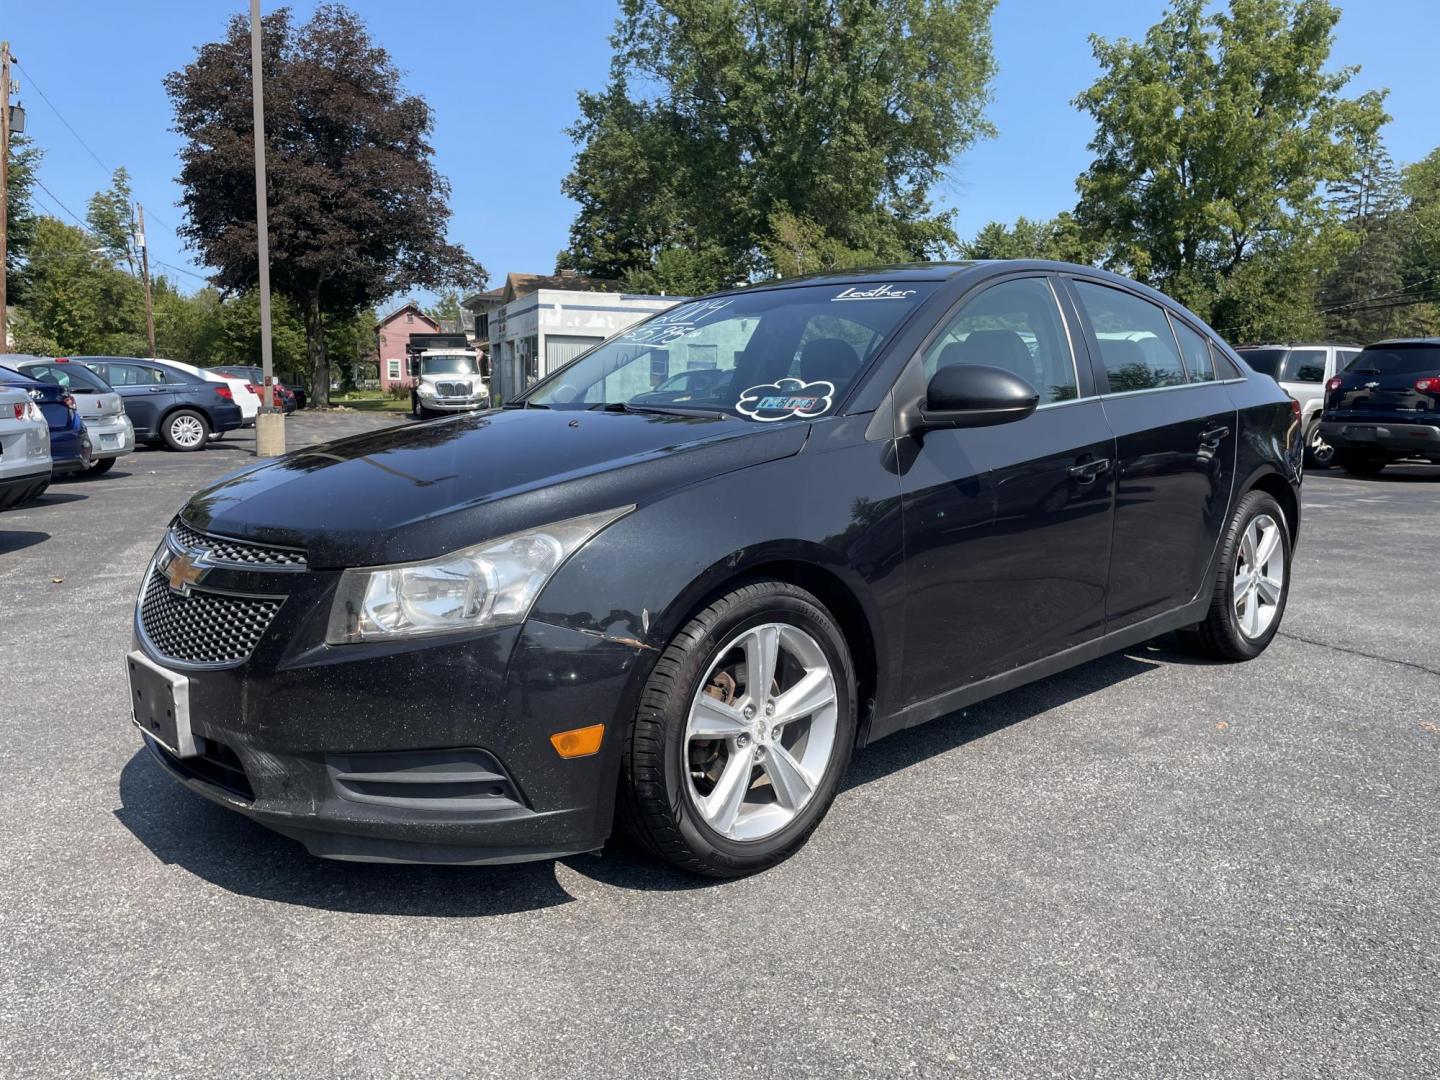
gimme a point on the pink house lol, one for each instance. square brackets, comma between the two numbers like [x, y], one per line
[391, 337]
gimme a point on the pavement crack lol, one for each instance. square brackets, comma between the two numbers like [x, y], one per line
[1358, 652]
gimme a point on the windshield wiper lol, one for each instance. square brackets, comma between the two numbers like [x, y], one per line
[524, 405]
[660, 410]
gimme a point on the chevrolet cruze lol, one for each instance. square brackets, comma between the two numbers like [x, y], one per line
[487, 638]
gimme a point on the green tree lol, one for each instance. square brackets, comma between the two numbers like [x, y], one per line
[1059, 238]
[75, 301]
[797, 130]
[1215, 139]
[357, 210]
[24, 160]
[446, 306]
[111, 217]
[1422, 275]
[1356, 297]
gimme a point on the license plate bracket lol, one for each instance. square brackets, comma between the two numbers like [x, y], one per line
[160, 704]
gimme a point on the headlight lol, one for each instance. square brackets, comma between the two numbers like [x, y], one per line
[426, 390]
[490, 584]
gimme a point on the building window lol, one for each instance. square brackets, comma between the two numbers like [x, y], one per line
[410, 316]
[392, 369]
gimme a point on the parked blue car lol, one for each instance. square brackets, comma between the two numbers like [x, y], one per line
[166, 404]
[69, 443]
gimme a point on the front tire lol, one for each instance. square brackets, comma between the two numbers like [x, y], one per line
[1252, 583]
[185, 430]
[724, 778]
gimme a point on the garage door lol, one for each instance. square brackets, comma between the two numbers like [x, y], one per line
[560, 350]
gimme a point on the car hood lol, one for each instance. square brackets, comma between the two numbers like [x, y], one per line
[419, 490]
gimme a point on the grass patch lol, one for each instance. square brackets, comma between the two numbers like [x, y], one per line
[371, 401]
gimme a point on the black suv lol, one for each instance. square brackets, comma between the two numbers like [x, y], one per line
[1385, 406]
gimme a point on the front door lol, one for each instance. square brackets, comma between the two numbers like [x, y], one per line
[142, 390]
[1175, 432]
[1007, 528]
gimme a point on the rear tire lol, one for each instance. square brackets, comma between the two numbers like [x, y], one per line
[185, 430]
[100, 467]
[1318, 453]
[1357, 463]
[1247, 603]
[782, 772]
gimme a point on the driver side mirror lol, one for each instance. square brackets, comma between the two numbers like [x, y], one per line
[975, 395]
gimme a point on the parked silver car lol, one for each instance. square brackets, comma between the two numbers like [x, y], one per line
[1302, 370]
[110, 430]
[24, 448]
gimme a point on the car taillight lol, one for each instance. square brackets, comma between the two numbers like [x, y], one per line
[1295, 409]
[28, 410]
[253, 388]
[1428, 385]
[224, 391]
[20, 411]
[1334, 384]
[69, 403]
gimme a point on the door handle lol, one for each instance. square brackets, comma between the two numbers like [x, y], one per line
[1086, 471]
[1214, 435]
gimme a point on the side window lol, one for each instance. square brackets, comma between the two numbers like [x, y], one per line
[1196, 351]
[120, 374]
[1136, 344]
[1344, 358]
[1305, 365]
[1224, 367]
[1015, 325]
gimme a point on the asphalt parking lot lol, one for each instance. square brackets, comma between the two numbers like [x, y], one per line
[1144, 867]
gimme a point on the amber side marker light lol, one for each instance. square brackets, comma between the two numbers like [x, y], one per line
[581, 742]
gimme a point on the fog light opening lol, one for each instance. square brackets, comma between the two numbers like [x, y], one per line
[578, 742]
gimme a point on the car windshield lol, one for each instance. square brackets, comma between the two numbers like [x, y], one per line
[1398, 359]
[772, 354]
[461, 364]
[1265, 361]
[76, 378]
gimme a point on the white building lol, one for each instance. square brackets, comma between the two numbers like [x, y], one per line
[538, 329]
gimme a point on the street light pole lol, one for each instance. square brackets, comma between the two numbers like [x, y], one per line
[145, 271]
[269, 425]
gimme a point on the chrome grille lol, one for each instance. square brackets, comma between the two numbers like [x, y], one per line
[452, 389]
[203, 627]
[239, 552]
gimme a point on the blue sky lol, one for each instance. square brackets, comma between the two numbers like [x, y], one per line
[501, 79]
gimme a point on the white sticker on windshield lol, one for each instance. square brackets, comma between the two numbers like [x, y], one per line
[786, 399]
[880, 292]
[681, 321]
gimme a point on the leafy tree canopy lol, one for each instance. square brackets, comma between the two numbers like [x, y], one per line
[760, 125]
[1059, 238]
[1216, 137]
[357, 211]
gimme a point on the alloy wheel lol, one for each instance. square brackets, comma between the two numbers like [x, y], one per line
[1259, 580]
[761, 731]
[1321, 452]
[187, 431]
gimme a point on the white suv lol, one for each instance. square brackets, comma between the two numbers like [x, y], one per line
[24, 448]
[1302, 370]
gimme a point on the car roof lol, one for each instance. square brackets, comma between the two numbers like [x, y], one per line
[1297, 345]
[1404, 341]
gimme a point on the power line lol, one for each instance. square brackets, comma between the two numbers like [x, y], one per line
[60, 204]
[36, 86]
[181, 270]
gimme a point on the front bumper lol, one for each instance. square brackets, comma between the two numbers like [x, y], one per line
[110, 436]
[431, 751]
[442, 404]
[1387, 437]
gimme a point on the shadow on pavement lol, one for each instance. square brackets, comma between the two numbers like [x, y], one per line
[225, 849]
[19, 541]
[54, 498]
[183, 829]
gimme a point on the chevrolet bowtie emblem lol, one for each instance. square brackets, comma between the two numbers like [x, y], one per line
[182, 572]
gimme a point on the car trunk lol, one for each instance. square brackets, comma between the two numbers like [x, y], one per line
[95, 406]
[1380, 384]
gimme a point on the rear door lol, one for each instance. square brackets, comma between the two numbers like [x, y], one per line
[1007, 528]
[1175, 431]
[142, 389]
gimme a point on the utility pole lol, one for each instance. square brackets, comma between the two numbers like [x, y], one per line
[269, 425]
[4, 187]
[145, 273]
